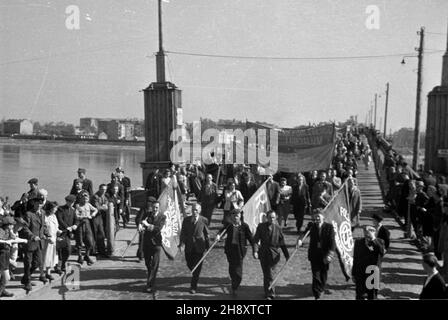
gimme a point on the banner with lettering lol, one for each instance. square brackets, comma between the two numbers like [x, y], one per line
[338, 214]
[306, 149]
[254, 210]
[169, 206]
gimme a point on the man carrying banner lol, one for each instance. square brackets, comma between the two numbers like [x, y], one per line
[235, 248]
[151, 225]
[320, 252]
[194, 235]
[270, 236]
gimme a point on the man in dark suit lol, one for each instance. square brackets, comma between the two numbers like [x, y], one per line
[235, 248]
[152, 222]
[300, 201]
[36, 234]
[434, 286]
[195, 236]
[100, 200]
[273, 192]
[381, 231]
[86, 183]
[247, 187]
[19, 207]
[67, 224]
[320, 252]
[318, 187]
[126, 183]
[367, 252]
[270, 236]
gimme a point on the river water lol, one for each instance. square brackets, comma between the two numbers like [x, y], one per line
[55, 164]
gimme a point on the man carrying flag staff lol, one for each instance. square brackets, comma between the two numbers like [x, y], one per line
[151, 225]
[235, 248]
[320, 252]
[194, 235]
[270, 236]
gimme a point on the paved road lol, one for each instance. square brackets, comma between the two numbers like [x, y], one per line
[114, 279]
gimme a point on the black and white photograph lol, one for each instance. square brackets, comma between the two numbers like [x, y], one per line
[224, 151]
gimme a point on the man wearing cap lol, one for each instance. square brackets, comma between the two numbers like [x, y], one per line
[19, 207]
[235, 248]
[67, 224]
[7, 239]
[77, 189]
[267, 241]
[143, 212]
[151, 225]
[434, 286]
[367, 252]
[126, 183]
[195, 235]
[321, 251]
[381, 231]
[86, 183]
[36, 233]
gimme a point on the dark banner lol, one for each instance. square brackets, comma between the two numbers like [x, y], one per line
[338, 214]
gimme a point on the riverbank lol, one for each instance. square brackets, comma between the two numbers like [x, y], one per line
[84, 142]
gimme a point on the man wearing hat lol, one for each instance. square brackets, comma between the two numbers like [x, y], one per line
[143, 212]
[86, 183]
[67, 224]
[381, 231]
[367, 252]
[434, 286]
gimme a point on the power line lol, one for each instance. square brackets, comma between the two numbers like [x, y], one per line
[294, 58]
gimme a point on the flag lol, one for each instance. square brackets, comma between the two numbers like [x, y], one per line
[254, 211]
[169, 206]
[337, 213]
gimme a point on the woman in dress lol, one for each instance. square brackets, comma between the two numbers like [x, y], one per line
[50, 254]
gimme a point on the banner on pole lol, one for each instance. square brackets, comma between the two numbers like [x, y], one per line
[169, 206]
[254, 210]
[338, 214]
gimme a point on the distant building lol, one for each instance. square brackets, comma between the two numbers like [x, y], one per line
[115, 129]
[89, 125]
[102, 136]
[22, 126]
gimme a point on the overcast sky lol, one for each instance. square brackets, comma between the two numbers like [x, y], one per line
[50, 73]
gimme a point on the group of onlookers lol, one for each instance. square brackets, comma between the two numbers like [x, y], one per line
[40, 232]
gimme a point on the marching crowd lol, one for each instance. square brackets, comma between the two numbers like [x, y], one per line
[40, 232]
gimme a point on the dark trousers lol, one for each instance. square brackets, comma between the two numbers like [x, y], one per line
[31, 259]
[267, 266]
[299, 214]
[84, 235]
[235, 267]
[64, 249]
[152, 260]
[140, 246]
[98, 233]
[361, 290]
[320, 275]
[192, 259]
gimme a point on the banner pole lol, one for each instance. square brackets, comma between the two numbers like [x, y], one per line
[129, 245]
[209, 250]
[287, 261]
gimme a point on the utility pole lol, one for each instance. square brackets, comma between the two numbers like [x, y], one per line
[418, 102]
[376, 98]
[160, 56]
[385, 110]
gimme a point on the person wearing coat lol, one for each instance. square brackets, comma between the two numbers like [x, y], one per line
[321, 251]
[36, 233]
[86, 183]
[235, 248]
[195, 236]
[434, 286]
[247, 187]
[67, 225]
[301, 201]
[355, 200]
[233, 199]
[367, 252]
[208, 197]
[273, 192]
[267, 241]
[381, 231]
[151, 225]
